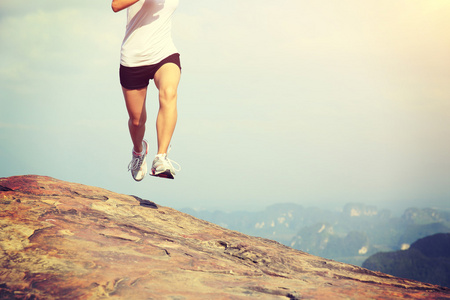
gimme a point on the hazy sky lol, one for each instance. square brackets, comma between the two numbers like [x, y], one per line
[312, 102]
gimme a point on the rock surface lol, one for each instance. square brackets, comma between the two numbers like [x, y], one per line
[61, 240]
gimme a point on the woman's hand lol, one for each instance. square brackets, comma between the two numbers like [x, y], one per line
[118, 5]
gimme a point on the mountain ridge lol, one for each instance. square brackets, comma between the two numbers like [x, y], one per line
[427, 260]
[62, 240]
[349, 235]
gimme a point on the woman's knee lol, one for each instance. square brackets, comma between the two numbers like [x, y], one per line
[168, 94]
[137, 121]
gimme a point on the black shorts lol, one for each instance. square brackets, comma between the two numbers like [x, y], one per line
[134, 78]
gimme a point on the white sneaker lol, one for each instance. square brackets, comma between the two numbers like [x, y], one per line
[138, 164]
[162, 167]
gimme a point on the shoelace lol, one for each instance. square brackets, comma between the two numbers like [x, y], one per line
[171, 162]
[165, 160]
[136, 162]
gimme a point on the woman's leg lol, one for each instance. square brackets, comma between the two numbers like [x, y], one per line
[135, 102]
[166, 80]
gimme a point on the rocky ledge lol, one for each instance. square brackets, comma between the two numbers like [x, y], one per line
[61, 240]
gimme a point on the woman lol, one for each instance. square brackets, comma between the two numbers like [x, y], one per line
[148, 53]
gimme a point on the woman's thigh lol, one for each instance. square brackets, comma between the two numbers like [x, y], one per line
[167, 78]
[135, 103]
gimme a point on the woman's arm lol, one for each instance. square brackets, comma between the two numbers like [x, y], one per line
[118, 5]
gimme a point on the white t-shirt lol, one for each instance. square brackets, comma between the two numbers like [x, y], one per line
[148, 37]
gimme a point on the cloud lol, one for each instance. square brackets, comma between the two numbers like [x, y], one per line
[394, 54]
[327, 31]
[59, 63]
[56, 43]
[344, 98]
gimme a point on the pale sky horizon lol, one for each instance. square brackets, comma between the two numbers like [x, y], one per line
[314, 103]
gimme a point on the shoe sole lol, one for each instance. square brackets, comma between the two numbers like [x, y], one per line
[166, 174]
[138, 180]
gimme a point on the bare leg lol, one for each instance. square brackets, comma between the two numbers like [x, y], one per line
[166, 80]
[135, 102]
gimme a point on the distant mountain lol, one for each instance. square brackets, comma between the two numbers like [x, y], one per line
[360, 231]
[427, 260]
[426, 216]
[350, 235]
